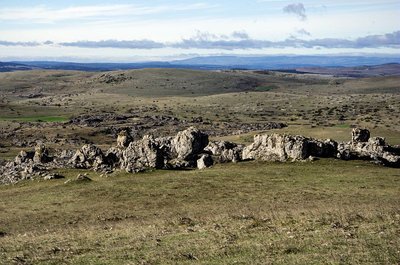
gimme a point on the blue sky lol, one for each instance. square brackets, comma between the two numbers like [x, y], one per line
[162, 30]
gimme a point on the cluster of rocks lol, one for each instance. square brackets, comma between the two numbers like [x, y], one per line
[191, 148]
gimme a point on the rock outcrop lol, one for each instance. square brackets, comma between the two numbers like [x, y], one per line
[204, 161]
[142, 154]
[224, 152]
[189, 143]
[190, 149]
[41, 154]
[277, 147]
[124, 139]
[89, 156]
[363, 147]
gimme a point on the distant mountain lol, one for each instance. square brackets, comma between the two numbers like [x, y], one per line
[9, 67]
[214, 63]
[286, 62]
[359, 71]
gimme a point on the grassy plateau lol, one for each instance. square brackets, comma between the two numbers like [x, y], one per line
[324, 212]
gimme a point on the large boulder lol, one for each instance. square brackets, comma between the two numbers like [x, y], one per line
[359, 135]
[188, 143]
[363, 147]
[114, 157]
[89, 156]
[204, 161]
[224, 151]
[124, 139]
[41, 154]
[24, 157]
[141, 155]
[278, 147]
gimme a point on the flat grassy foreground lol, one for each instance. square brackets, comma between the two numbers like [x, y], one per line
[323, 212]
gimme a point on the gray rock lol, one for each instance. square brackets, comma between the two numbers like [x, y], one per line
[204, 161]
[359, 135]
[224, 151]
[41, 154]
[89, 156]
[277, 147]
[83, 177]
[374, 149]
[141, 155]
[124, 139]
[188, 143]
[24, 157]
[53, 176]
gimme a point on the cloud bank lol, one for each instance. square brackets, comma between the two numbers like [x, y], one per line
[237, 40]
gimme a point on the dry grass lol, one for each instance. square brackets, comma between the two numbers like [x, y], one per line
[246, 213]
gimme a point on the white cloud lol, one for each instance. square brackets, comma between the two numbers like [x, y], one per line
[43, 14]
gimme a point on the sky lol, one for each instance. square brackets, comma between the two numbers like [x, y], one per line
[130, 31]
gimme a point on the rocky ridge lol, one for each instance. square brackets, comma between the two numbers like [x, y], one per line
[191, 148]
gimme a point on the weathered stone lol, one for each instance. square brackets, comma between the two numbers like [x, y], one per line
[188, 143]
[204, 161]
[124, 139]
[114, 156]
[360, 135]
[224, 151]
[142, 154]
[89, 156]
[41, 154]
[276, 147]
[53, 176]
[24, 157]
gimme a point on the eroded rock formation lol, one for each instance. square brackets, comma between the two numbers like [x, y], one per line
[190, 149]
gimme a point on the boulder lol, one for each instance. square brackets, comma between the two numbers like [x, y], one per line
[204, 161]
[89, 156]
[24, 157]
[142, 154]
[113, 157]
[186, 144]
[363, 147]
[276, 147]
[124, 139]
[359, 135]
[41, 154]
[223, 151]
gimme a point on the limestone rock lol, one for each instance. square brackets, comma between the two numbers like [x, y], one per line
[41, 154]
[277, 147]
[360, 135]
[142, 154]
[114, 156]
[89, 156]
[188, 143]
[124, 139]
[24, 157]
[224, 151]
[366, 148]
[204, 161]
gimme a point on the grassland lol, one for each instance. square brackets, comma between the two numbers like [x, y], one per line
[322, 212]
[246, 213]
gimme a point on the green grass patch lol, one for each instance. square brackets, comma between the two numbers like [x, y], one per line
[36, 119]
[345, 126]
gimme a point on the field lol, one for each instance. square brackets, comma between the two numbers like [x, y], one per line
[322, 212]
[246, 213]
